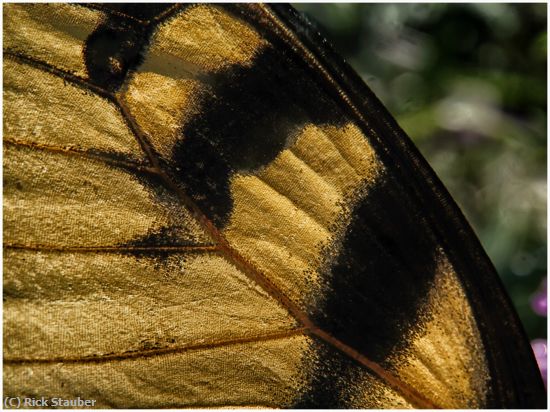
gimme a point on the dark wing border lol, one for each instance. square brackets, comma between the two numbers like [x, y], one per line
[515, 378]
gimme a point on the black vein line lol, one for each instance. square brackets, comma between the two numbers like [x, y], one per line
[65, 75]
[141, 354]
[139, 135]
[166, 14]
[99, 7]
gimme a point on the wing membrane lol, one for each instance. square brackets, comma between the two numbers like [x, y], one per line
[232, 220]
[54, 34]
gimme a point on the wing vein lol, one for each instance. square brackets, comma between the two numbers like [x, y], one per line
[69, 77]
[160, 351]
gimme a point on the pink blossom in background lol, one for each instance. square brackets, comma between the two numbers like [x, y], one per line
[539, 300]
[540, 348]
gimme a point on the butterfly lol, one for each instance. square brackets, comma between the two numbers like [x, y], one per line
[204, 206]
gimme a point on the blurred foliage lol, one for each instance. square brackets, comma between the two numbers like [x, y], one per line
[467, 82]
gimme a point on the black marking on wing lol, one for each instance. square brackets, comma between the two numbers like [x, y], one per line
[166, 236]
[169, 236]
[250, 116]
[382, 275]
[329, 373]
[116, 46]
[375, 289]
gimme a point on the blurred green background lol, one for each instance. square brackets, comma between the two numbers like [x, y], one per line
[467, 82]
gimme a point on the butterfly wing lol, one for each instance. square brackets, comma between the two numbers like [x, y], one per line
[203, 207]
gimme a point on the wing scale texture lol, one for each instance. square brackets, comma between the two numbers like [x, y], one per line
[204, 207]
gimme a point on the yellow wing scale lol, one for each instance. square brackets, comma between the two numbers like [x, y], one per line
[52, 33]
[255, 374]
[42, 109]
[202, 39]
[56, 200]
[79, 306]
[287, 215]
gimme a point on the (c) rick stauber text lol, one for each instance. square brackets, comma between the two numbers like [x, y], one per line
[17, 402]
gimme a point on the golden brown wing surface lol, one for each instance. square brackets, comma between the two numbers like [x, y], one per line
[196, 214]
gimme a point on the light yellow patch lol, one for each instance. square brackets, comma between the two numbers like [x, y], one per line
[60, 200]
[349, 141]
[317, 148]
[307, 190]
[369, 392]
[71, 305]
[201, 39]
[445, 361]
[160, 105]
[41, 108]
[263, 374]
[53, 33]
[285, 215]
